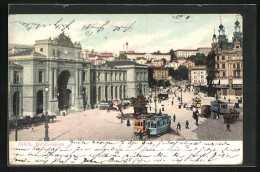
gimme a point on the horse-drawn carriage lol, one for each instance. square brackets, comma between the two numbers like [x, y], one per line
[28, 121]
[231, 117]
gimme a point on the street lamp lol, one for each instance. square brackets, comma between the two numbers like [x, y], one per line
[181, 96]
[46, 138]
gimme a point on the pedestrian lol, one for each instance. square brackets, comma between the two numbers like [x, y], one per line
[32, 128]
[228, 100]
[108, 110]
[187, 125]
[174, 118]
[84, 106]
[218, 115]
[197, 119]
[178, 128]
[141, 135]
[150, 108]
[148, 133]
[172, 102]
[228, 127]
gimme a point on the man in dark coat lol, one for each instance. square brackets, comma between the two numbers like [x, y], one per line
[228, 127]
[187, 124]
[141, 135]
[178, 127]
[174, 118]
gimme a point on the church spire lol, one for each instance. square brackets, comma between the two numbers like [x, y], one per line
[221, 28]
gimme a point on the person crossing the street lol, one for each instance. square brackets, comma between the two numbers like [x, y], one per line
[228, 127]
[174, 118]
[141, 135]
[187, 124]
[178, 128]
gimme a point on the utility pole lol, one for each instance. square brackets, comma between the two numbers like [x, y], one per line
[16, 117]
[155, 101]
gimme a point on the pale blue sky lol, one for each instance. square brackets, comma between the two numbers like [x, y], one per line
[151, 32]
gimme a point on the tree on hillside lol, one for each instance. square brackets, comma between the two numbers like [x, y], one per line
[122, 56]
[171, 71]
[183, 72]
[198, 59]
[173, 55]
[151, 80]
[164, 61]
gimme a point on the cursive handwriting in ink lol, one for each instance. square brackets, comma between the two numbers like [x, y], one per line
[124, 28]
[62, 26]
[88, 29]
[127, 152]
[30, 26]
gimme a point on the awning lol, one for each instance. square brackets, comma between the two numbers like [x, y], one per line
[237, 81]
[220, 82]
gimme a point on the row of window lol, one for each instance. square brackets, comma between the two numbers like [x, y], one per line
[199, 80]
[140, 76]
[234, 57]
[112, 77]
[202, 76]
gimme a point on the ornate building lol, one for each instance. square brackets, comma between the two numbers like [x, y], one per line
[56, 74]
[228, 63]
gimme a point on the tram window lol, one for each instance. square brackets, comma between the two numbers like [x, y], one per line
[137, 123]
[153, 125]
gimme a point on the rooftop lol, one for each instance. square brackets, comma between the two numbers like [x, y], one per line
[25, 53]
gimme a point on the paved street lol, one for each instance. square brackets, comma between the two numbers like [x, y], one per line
[97, 124]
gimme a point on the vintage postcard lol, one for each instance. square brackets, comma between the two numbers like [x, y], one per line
[120, 89]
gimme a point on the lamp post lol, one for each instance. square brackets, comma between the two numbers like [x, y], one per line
[46, 138]
[181, 96]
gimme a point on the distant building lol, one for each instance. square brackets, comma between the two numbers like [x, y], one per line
[158, 56]
[173, 64]
[204, 50]
[160, 73]
[189, 64]
[141, 60]
[228, 63]
[185, 52]
[198, 76]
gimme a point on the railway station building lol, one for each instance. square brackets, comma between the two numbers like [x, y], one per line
[57, 74]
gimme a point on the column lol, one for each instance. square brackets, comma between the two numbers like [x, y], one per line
[80, 83]
[77, 82]
[55, 83]
[51, 92]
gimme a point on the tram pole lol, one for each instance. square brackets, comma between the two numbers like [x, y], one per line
[155, 101]
[16, 117]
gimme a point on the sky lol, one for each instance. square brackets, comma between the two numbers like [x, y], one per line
[110, 32]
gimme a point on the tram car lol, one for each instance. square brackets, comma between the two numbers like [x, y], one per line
[140, 123]
[196, 102]
[218, 106]
[159, 124]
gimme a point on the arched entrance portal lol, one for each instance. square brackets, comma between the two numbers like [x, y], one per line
[64, 97]
[99, 94]
[39, 102]
[16, 103]
[68, 98]
[106, 93]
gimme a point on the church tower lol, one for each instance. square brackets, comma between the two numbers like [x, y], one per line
[222, 39]
[214, 41]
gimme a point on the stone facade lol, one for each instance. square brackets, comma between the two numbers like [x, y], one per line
[56, 74]
[198, 76]
[160, 73]
[228, 63]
